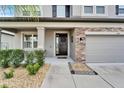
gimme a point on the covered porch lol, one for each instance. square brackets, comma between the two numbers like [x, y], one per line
[56, 41]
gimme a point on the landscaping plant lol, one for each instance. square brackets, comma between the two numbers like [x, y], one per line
[17, 56]
[39, 56]
[33, 68]
[5, 58]
[29, 57]
[9, 74]
[3, 86]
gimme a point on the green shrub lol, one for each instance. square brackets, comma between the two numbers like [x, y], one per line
[33, 68]
[36, 67]
[3, 86]
[5, 58]
[17, 56]
[29, 57]
[39, 56]
[9, 74]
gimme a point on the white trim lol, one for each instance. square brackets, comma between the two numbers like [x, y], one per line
[8, 32]
[29, 33]
[68, 41]
[21, 40]
[104, 33]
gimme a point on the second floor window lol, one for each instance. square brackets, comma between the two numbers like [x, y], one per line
[61, 10]
[100, 9]
[121, 9]
[7, 10]
[88, 9]
[94, 10]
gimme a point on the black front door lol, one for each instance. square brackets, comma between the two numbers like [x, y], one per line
[61, 44]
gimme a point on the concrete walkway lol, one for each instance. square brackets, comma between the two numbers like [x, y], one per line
[59, 76]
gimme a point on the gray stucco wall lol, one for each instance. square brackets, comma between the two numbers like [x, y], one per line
[47, 10]
[7, 41]
[17, 40]
[49, 43]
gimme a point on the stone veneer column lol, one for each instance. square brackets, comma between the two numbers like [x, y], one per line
[80, 44]
[41, 37]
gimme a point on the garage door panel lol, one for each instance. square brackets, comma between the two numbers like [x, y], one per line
[105, 48]
[105, 52]
[101, 59]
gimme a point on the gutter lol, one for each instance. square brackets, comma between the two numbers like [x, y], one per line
[51, 19]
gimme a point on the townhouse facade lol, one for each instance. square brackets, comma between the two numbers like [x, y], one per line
[83, 33]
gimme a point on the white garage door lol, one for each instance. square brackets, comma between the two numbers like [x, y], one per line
[104, 48]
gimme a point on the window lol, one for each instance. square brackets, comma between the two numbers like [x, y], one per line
[7, 10]
[88, 9]
[61, 10]
[35, 39]
[121, 9]
[100, 9]
[30, 41]
[94, 10]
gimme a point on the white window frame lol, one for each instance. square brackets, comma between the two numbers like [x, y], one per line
[22, 41]
[94, 11]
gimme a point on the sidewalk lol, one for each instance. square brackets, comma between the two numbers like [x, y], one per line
[59, 76]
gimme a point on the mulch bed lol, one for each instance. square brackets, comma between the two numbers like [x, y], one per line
[22, 79]
[81, 68]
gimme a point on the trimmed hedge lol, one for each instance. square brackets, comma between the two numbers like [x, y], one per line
[39, 56]
[17, 56]
[14, 57]
[5, 58]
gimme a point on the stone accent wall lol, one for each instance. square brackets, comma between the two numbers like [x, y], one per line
[80, 43]
[80, 40]
[102, 29]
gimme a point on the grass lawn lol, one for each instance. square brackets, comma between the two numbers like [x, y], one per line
[22, 79]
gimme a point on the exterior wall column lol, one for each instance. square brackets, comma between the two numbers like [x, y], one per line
[80, 45]
[41, 37]
[0, 37]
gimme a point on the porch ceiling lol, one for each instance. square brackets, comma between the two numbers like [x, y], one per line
[16, 29]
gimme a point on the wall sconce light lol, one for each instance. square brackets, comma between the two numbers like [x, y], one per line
[81, 39]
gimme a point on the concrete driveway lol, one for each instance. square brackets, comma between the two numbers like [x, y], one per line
[59, 76]
[112, 73]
